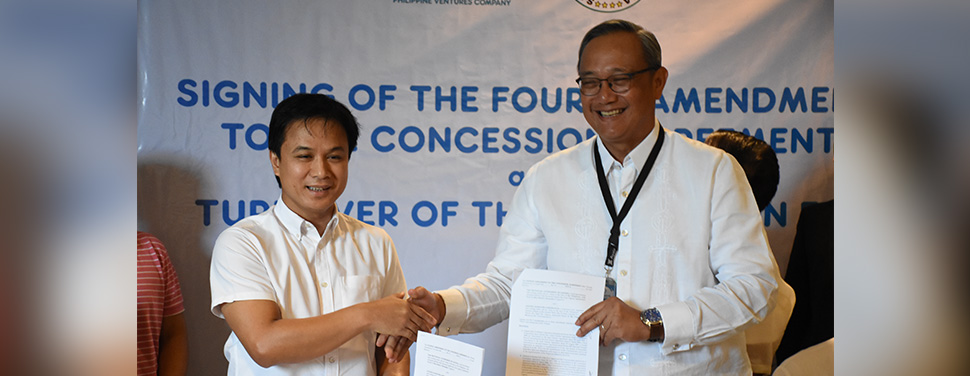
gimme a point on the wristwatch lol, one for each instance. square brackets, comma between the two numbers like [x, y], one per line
[651, 318]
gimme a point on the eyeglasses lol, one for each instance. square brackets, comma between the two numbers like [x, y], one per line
[619, 83]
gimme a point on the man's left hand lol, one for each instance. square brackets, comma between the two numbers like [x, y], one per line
[394, 347]
[616, 320]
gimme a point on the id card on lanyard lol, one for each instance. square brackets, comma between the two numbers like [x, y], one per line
[614, 241]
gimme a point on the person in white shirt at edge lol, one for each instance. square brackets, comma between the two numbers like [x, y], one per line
[304, 288]
[692, 267]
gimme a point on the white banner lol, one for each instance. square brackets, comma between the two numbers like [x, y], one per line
[456, 99]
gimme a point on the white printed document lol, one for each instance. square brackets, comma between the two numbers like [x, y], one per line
[440, 356]
[542, 324]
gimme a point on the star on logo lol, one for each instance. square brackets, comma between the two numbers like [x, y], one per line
[607, 6]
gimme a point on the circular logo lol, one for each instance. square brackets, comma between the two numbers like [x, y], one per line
[608, 6]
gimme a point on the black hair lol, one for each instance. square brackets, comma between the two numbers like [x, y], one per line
[756, 157]
[304, 107]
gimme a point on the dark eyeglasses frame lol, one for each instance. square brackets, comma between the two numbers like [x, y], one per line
[609, 81]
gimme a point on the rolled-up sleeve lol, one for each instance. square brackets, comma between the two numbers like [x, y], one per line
[236, 272]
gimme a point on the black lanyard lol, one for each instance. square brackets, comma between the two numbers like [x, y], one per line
[614, 242]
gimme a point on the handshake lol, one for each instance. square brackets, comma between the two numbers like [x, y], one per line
[398, 318]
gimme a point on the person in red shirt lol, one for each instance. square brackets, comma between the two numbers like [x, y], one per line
[162, 340]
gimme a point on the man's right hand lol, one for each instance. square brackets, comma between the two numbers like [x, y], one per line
[430, 302]
[397, 317]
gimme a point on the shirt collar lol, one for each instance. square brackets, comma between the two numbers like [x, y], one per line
[296, 225]
[636, 156]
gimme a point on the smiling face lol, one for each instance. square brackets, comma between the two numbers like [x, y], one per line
[621, 121]
[312, 168]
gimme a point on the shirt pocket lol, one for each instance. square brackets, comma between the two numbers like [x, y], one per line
[357, 289]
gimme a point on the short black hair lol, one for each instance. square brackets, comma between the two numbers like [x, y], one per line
[651, 47]
[756, 157]
[304, 107]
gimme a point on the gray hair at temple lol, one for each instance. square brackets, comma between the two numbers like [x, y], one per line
[651, 47]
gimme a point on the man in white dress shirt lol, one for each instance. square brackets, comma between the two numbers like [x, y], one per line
[689, 267]
[306, 289]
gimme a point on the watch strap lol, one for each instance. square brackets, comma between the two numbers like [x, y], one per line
[652, 319]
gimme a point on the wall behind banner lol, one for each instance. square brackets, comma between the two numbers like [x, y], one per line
[456, 99]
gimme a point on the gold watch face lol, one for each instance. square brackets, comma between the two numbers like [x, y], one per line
[651, 317]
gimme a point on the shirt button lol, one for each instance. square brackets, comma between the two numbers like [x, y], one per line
[324, 284]
[625, 193]
[623, 272]
[332, 360]
[625, 233]
[622, 356]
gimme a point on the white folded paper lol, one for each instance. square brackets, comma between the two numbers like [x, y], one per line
[440, 356]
